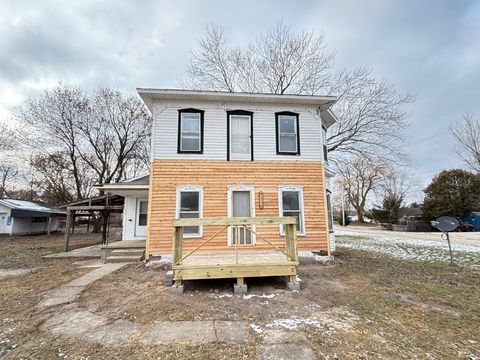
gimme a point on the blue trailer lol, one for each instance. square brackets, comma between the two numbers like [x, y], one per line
[474, 219]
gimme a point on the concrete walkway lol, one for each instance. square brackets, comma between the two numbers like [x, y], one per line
[88, 251]
[70, 320]
[68, 292]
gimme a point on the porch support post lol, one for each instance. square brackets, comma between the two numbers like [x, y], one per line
[104, 227]
[73, 222]
[67, 231]
[49, 225]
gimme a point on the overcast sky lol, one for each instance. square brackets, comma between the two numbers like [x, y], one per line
[430, 49]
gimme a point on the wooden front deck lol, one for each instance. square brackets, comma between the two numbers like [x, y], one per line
[227, 265]
[235, 264]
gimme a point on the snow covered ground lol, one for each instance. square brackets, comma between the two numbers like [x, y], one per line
[403, 246]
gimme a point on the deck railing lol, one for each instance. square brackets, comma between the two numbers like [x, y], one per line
[236, 222]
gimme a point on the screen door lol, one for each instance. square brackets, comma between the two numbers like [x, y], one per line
[241, 208]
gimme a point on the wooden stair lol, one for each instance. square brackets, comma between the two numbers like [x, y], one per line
[123, 252]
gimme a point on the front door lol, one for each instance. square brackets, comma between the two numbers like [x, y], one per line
[241, 207]
[141, 218]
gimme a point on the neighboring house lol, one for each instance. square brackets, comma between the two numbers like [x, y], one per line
[20, 217]
[217, 154]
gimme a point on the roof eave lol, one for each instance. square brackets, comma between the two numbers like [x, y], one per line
[149, 95]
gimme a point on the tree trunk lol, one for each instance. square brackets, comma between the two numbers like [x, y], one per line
[360, 214]
[97, 223]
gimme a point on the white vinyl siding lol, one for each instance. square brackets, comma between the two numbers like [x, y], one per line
[130, 219]
[165, 136]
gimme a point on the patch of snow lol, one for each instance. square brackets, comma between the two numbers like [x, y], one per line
[249, 296]
[298, 279]
[220, 296]
[256, 328]
[409, 248]
[293, 322]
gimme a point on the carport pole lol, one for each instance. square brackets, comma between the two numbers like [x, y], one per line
[67, 231]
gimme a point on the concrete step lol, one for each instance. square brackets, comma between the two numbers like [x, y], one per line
[123, 258]
[126, 251]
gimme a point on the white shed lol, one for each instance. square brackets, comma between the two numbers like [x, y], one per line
[20, 217]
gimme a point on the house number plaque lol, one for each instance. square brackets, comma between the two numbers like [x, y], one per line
[260, 200]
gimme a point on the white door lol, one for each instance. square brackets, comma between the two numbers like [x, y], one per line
[241, 207]
[4, 228]
[240, 137]
[141, 218]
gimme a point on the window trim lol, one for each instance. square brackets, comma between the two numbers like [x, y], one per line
[231, 189]
[299, 189]
[179, 130]
[277, 134]
[241, 113]
[190, 188]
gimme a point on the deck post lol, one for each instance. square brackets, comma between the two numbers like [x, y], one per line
[240, 287]
[291, 246]
[177, 244]
[177, 253]
[291, 241]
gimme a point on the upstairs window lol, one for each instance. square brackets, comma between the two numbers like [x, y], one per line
[288, 134]
[190, 131]
[240, 135]
[189, 206]
[324, 141]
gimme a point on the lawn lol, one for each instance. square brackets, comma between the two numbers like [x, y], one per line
[363, 305]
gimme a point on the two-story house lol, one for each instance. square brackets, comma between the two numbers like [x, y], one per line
[219, 154]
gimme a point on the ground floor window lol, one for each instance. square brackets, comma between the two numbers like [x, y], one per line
[189, 206]
[142, 212]
[290, 201]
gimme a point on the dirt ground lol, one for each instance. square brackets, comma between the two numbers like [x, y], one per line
[362, 305]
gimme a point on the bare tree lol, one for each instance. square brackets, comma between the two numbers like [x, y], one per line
[360, 176]
[7, 138]
[117, 132]
[370, 112]
[81, 139]
[467, 134]
[8, 173]
[370, 117]
[52, 128]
